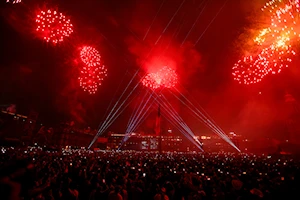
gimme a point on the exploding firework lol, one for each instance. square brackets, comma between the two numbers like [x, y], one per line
[277, 59]
[283, 29]
[13, 1]
[164, 78]
[151, 81]
[90, 56]
[275, 43]
[91, 77]
[53, 26]
[250, 70]
[168, 76]
[261, 38]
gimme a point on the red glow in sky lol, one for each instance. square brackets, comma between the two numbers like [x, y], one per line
[93, 72]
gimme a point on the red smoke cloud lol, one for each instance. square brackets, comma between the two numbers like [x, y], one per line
[154, 50]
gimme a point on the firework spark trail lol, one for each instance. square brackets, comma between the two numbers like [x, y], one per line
[161, 5]
[169, 22]
[194, 22]
[210, 23]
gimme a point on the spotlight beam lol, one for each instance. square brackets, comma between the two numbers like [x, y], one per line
[174, 113]
[172, 121]
[137, 117]
[109, 123]
[161, 5]
[175, 116]
[112, 110]
[198, 113]
[101, 130]
[110, 103]
[210, 23]
[141, 119]
[110, 117]
[169, 22]
[200, 116]
[194, 22]
[136, 110]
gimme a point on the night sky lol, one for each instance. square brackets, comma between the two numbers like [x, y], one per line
[38, 76]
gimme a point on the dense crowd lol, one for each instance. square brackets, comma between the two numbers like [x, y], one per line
[36, 173]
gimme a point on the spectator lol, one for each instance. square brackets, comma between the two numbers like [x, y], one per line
[82, 174]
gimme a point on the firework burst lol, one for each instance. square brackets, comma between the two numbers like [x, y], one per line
[275, 43]
[93, 72]
[91, 77]
[166, 77]
[53, 26]
[90, 56]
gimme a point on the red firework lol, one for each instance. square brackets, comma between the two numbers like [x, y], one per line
[250, 70]
[53, 26]
[277, 58]
[150, 81]
[275, 43]
[168, 76]
[90, 56]
[91, 77]
[164, 78]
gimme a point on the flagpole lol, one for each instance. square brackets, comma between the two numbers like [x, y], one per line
[158, 129]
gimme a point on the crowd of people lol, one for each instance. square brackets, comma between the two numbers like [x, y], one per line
[43, 174]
